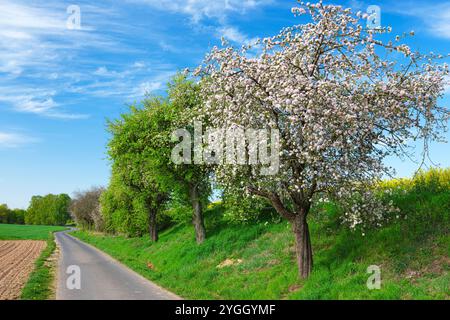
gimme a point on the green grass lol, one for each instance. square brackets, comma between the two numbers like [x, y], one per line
[26, 232]
[38, 286]
[413, 252]
[413, 255]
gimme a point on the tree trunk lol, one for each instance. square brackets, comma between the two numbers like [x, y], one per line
[197, 214]
[153, 225]
[303, 247]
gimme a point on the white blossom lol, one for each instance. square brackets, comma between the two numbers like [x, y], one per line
[342, 99]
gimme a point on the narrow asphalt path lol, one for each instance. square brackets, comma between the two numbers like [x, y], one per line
[102, 277]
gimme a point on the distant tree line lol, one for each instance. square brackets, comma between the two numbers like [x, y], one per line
[11, 216]
[43, 210]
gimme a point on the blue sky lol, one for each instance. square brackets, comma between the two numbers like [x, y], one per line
[57, 85]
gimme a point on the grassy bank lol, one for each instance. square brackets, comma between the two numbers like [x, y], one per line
[413, 255]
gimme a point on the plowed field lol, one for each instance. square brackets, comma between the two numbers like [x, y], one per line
[16, 263]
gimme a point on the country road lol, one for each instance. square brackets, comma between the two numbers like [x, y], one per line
[102, 277]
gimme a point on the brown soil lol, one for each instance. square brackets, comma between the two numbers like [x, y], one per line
[16, 263]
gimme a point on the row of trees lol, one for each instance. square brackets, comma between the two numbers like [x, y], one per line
[145, 182]
[339, 98]
[11, 216]
[43, 210]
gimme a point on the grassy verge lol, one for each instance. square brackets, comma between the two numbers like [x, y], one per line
[39, 284]
[413, 255]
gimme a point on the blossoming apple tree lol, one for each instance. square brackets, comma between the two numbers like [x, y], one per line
[342, 99]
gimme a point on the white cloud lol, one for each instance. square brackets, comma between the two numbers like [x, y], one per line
[14, 140]
[36, 44]
[16, 15]
[32, 105]
[437, 20]
[198, 10]
[22, 29]
[167, 47]
[36, 101]
[233, 34]
[441, 27]
[67, 116]
[435, 16]
[105, 72]
[139, 65]
[217, 11]
[148, 87]
[127, 82]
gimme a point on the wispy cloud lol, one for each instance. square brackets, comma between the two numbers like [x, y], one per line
[150, 85]
[14, 140]
[130, 82]
[439, 22]
[434, 15]
[39, 55]
[167, 46]
[23, 32]
[235, 35]
[42, 62]
[198, 10]
[215, 14]
[36, 101]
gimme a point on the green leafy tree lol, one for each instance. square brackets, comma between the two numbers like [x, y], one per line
[122, 210]
[130, 149]
[4, 212]
[188, 183]
[141, 150]
[16, 216]
[48, 210]
[11, 216]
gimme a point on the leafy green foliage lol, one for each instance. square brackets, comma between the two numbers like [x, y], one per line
[119, 210]
[11, 216]
[143, 173]
[4, 213]
[243, 209]
[48, 210]
[183, 107]
[132, 149]
[177, 209]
